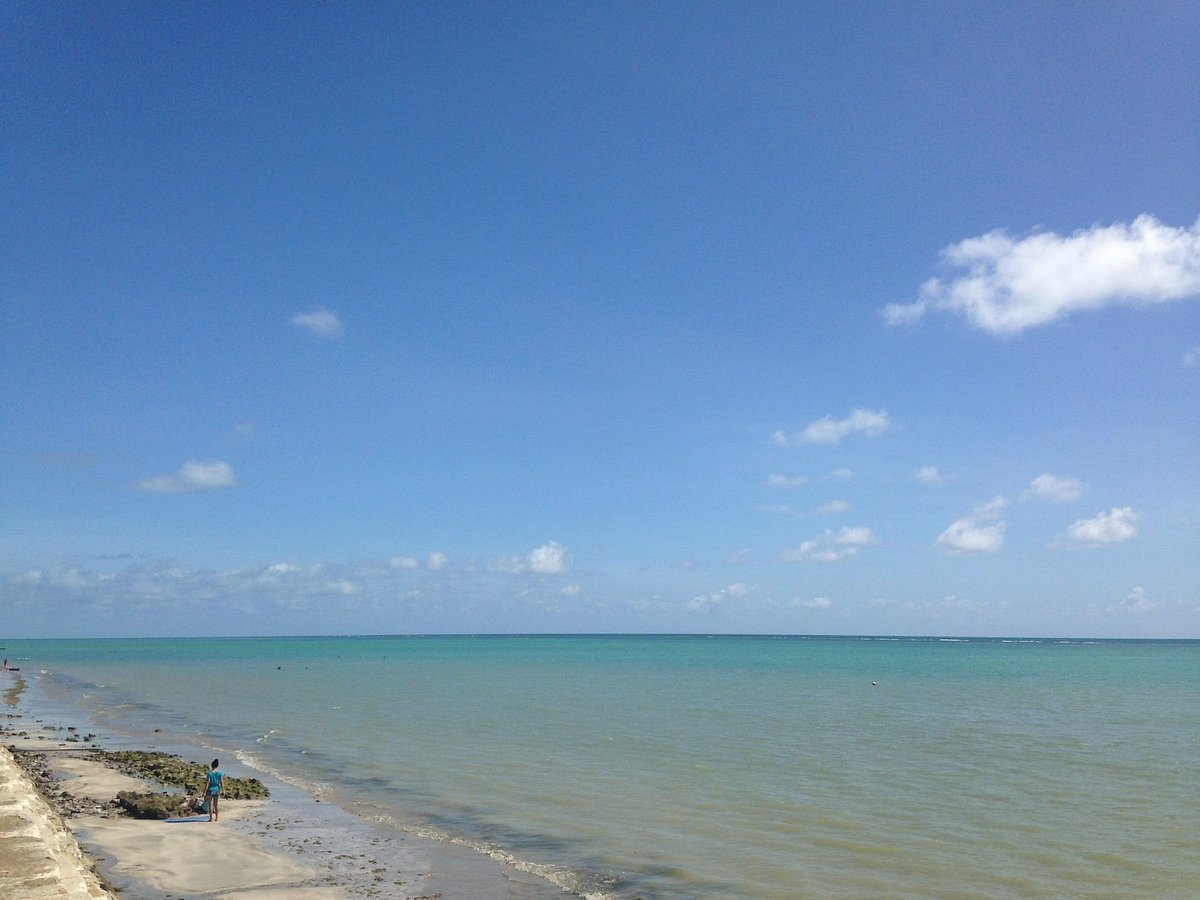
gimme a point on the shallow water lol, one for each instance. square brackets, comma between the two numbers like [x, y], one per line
[673, 767]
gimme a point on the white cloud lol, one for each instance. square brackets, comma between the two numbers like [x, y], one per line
[436, 561]
[813, 603]
[549, 559]
[571, 590]
[841, 474]
[71, 579]
[930, 475]
[859, 536]
[1136, 603]
[1106, 528]
[1006, 285]
[1060, 490]
[992, 508]
[194, 475]
[967, 537]
[320, 322]
[1191, 359]
[869, 422]
[832, 546]
[787, 480]
[404, 562]
[832, 508]
[718, 598]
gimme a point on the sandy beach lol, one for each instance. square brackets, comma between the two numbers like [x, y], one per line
[67, 839]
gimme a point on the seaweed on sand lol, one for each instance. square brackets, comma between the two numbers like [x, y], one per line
[166, 768]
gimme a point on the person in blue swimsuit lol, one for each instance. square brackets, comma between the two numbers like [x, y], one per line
[212, 791]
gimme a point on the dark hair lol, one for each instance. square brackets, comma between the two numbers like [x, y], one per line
[214, 765]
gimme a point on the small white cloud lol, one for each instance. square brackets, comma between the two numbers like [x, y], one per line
[812, 603]
[404, 562]
[841, 474]
[860, 536]
[930, 475]
[718, 598]
[832, 508]
[436, 561]
[194, 475]
[832, 546]
[740, 557]
[787, 480]
[1059, 490]
[1191, 359]
[1106, 528]
[571, 590]
[967, 537]
[1135, 603]
[320, 322]
[1006, 285]
[550, 559]
[71, 579]
[869, 422]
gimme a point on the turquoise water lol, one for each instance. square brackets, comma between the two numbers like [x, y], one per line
[693, 767]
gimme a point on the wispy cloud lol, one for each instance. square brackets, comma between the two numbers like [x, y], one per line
[812, 602]
[320, 322]
[1006, 285]
[194, 475]
[1135, 603]
[930, 475]
[734, 591]
[832, 546]
[869, 422]
[1059, 490]
[1111, 527]
[787, 480]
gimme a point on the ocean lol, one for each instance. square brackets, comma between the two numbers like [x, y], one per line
[670, 767]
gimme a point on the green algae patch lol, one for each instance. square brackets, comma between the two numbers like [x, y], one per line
[166, 768]
[151, 805]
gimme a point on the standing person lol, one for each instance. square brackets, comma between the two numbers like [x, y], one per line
[212, 791]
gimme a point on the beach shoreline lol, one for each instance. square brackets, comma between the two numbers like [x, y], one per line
[61, 830]
[42, 858]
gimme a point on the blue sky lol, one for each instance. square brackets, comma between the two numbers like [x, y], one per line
[684, 317]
